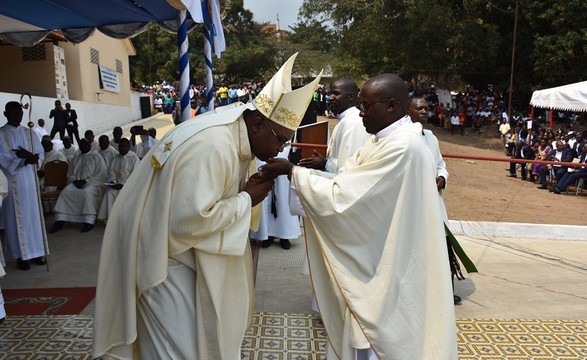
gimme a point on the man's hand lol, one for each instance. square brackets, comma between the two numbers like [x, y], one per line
[257, 189]
[79, 183]
[116, 186]
[274, 168]
[317, 161]
[29, 157]
[440, 183]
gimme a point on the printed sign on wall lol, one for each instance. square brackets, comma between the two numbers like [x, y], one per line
[109, 79]
[60, 74]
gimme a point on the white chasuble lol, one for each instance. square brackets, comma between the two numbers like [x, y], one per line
[377, 253]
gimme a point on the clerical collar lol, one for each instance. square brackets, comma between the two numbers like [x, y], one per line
[344, 113]
[393, 127]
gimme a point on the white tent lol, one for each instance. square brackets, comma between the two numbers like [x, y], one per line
[571, 97]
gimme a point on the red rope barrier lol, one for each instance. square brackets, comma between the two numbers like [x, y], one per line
[470, 157]
[509, 160]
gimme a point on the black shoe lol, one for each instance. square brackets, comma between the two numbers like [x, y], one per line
[40, 260]
[542, 187]
[22, 264]
[285, 244]
[556, 190]
[511, 175]
[266, 243]
[58, 225]
[524, 178]
[87, 227]
[457, 299]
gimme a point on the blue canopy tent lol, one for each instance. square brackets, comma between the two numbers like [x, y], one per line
[26, 23]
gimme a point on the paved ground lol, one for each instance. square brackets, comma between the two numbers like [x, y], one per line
[522, 276]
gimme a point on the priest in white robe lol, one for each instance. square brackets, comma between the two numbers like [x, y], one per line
[348, 135]
[69, 150]
[80, 200]
[120, 169]
[376, 241]
[175, 277]
[20, 152]
[51, 154]
[106, 151]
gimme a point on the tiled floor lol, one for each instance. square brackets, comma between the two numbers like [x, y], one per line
[275, 336]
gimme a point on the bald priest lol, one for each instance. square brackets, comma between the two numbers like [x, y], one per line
[175, 278]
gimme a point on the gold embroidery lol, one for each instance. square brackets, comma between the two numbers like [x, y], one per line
[155, 163]
[286, 116]
[167, 146]
[264, 103]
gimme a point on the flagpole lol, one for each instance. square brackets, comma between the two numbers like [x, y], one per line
[208, 33]
[184, 64]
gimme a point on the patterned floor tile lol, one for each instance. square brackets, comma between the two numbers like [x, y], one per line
[302, 337]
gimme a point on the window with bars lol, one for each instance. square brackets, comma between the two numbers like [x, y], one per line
[34, 53]
[94, 56]
[119, 66]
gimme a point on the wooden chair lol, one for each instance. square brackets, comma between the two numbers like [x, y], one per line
[55, 180]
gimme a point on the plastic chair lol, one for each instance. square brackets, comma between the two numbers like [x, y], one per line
[55, 180]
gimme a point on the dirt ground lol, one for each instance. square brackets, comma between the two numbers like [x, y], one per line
[479, 190]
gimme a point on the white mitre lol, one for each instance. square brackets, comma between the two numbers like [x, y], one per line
[279, 103]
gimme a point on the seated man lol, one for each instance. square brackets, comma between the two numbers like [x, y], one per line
[51, 154]
[80, 200]
[561, 154]
[69, 150]
[572, 175]
[116, 136]
[106, 150]
[89, 135]
[119, 171]
[523, 151]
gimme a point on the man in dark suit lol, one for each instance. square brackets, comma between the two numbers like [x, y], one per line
[561, 154]
[58, 116]
[71, 122]
[573, 174]
[523, 151]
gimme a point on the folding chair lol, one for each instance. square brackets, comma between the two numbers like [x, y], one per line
[55, 180]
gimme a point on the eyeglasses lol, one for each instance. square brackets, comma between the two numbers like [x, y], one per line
[282, 143]
[364, 106]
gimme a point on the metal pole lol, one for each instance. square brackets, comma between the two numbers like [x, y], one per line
[513, 62]
[30, 124]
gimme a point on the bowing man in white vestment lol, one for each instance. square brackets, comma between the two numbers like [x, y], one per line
[119, 171]
[175, 277]
[51, 154]
[20, 152]
[106, 151]
[80, 200]
[375, 239]
[276, 219]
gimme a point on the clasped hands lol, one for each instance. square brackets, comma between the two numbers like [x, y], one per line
[29, 157]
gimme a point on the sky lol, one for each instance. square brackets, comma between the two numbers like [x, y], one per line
[267, 11]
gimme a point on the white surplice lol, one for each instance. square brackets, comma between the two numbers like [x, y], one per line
[182, 213]
[23, 223]
[108, 154]
[53, 155]
[377, 252]
[70, 153]
[441, 170]
[118, 173]
[285, 225]
[82, 205]
[348, 135]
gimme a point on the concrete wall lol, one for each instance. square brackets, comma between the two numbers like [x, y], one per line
[99, 117]
[35, 77]
[79, 66]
